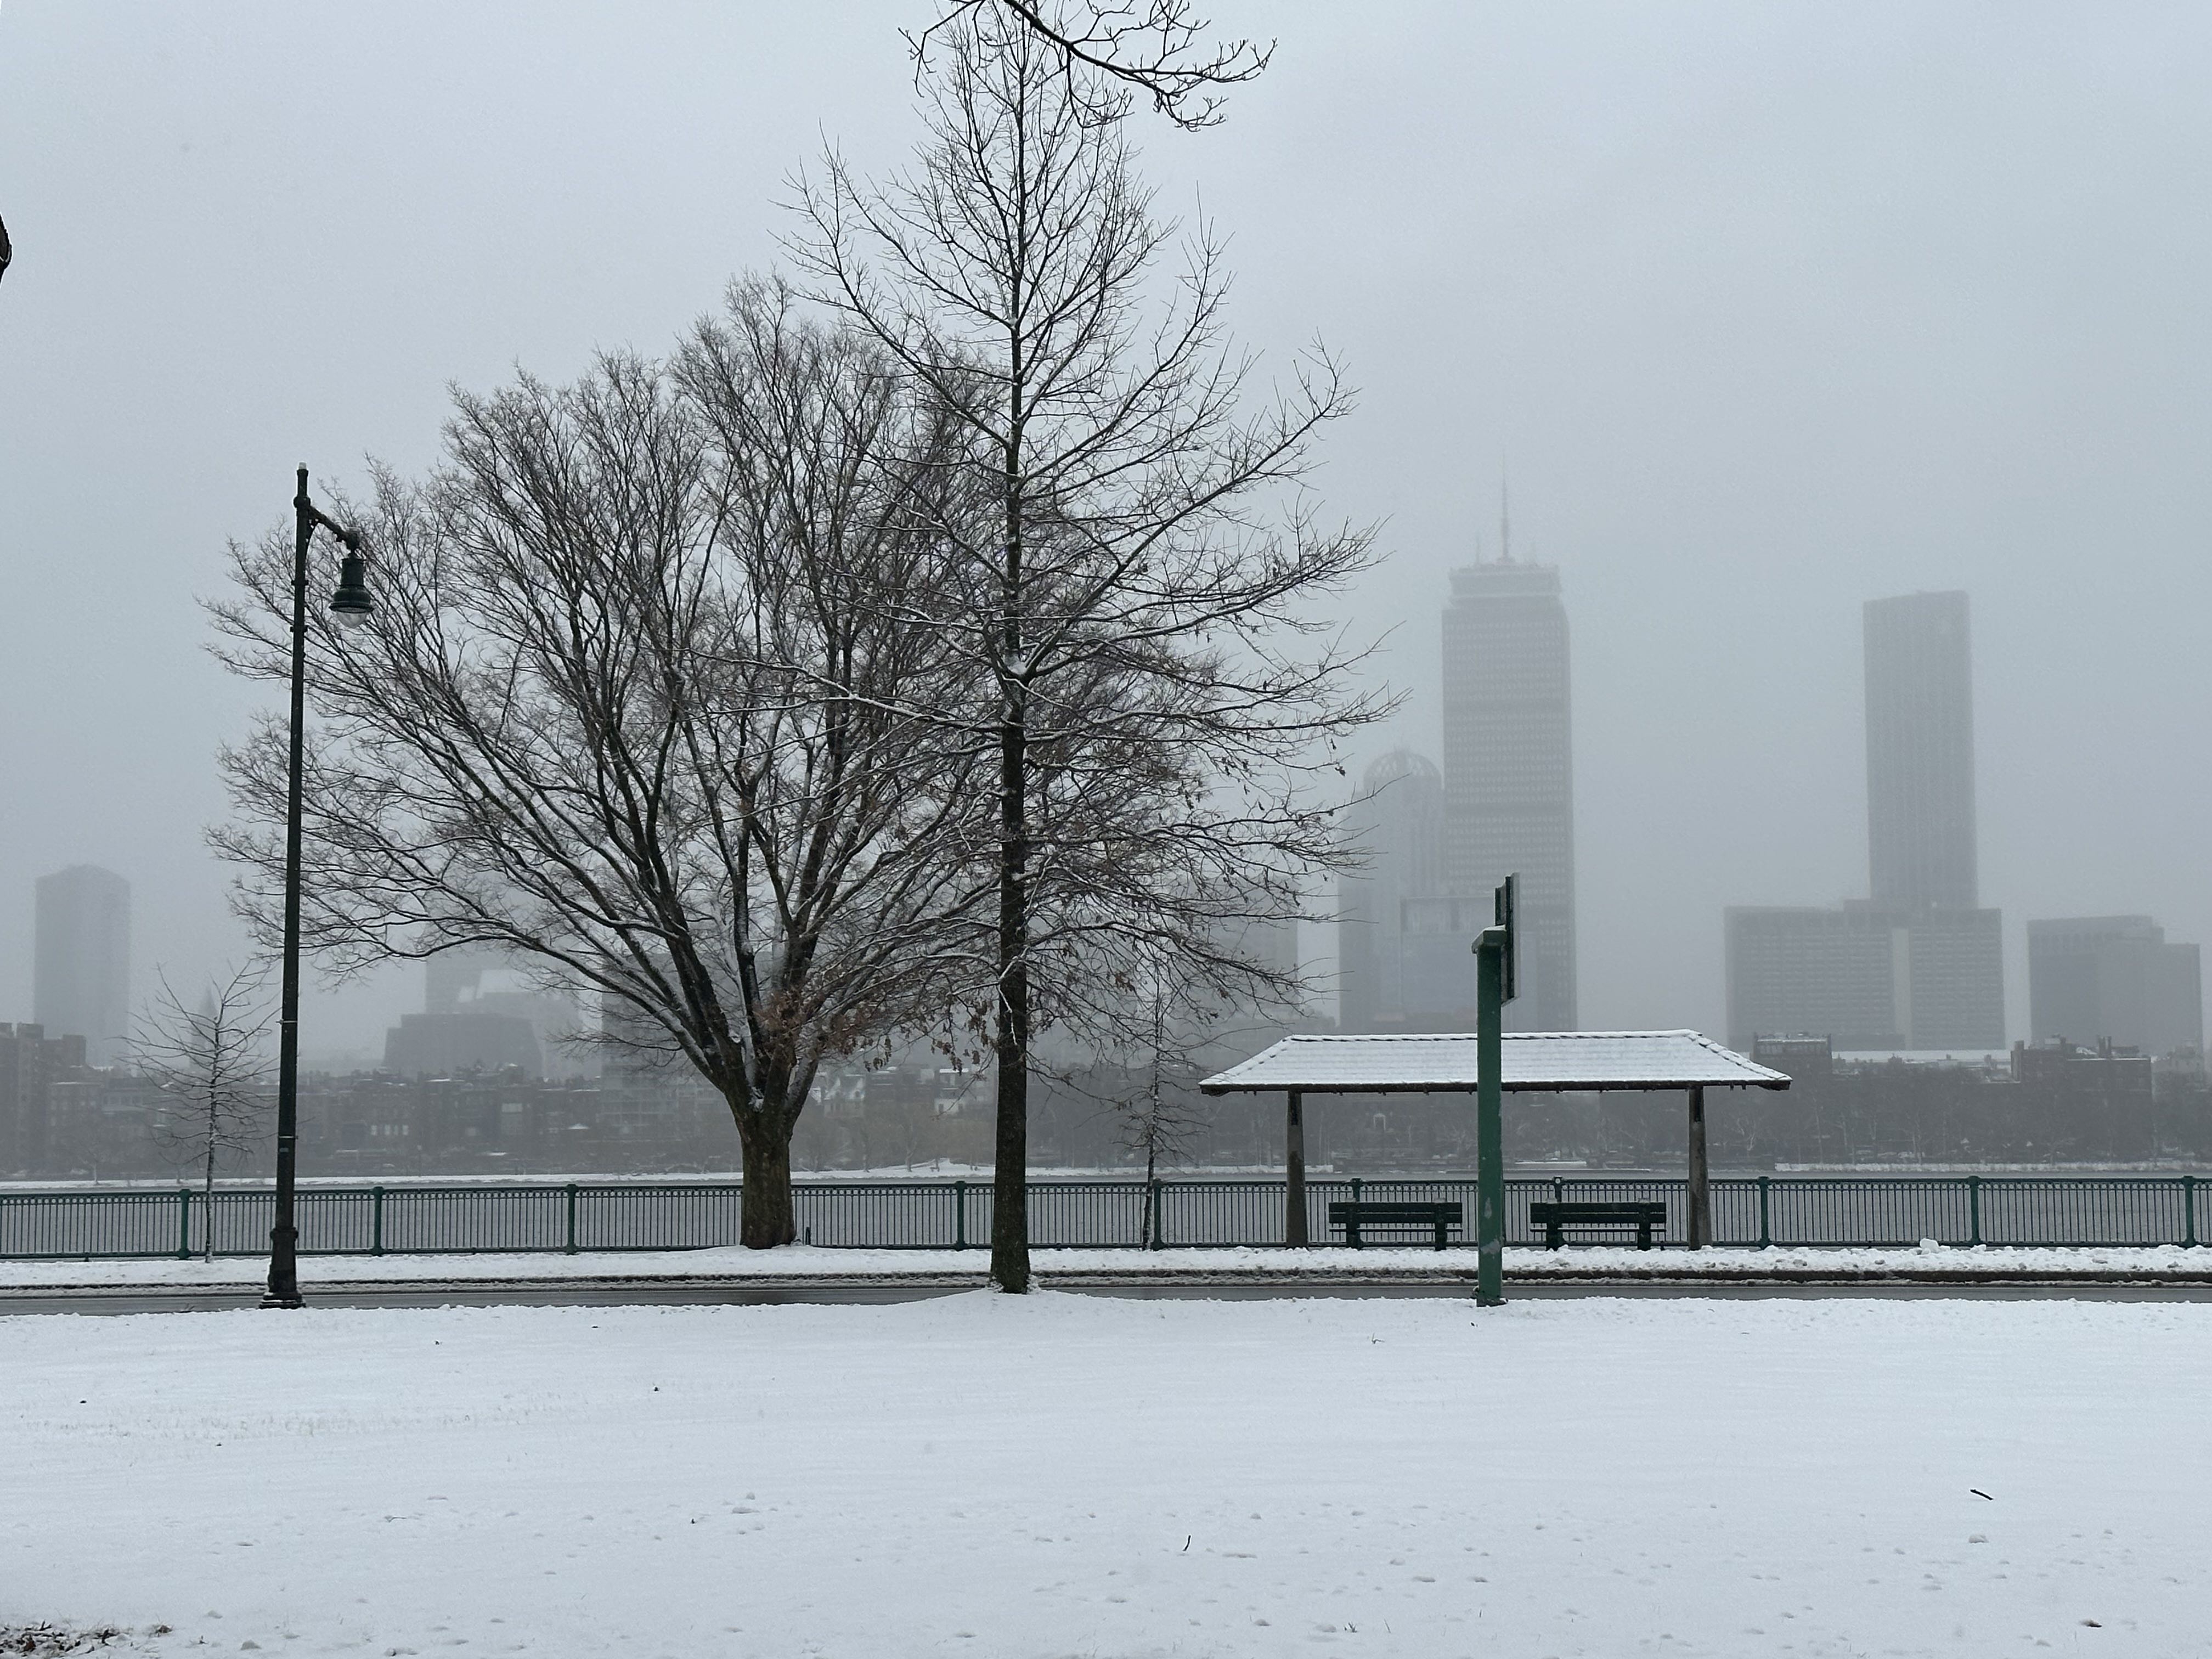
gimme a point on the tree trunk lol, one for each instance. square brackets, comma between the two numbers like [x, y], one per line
[1010, 1178]
[769, 1217]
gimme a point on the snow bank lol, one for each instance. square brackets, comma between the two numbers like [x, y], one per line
[1061, 1475]
[801, 1261]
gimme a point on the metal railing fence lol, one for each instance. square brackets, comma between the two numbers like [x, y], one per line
[2055, 1211]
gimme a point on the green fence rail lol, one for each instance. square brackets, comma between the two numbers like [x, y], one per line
[2056, 1210]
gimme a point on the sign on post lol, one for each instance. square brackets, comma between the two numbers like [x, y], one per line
[1502, 903]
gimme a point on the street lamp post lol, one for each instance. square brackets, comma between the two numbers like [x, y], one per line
[351, 604]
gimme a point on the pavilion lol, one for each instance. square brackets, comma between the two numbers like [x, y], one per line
[1549, 1062]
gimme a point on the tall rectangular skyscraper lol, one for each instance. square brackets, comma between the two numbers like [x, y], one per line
[1919, 964]
[81, 985]
[1920, 752]
[1508, 769]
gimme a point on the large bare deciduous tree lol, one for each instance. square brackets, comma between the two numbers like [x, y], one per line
[1134, 571]
[212, 1062]
[637, 706]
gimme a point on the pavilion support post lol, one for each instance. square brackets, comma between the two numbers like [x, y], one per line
[1294, 1171]
[1701, 1189]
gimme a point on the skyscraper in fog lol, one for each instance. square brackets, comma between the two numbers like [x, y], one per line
[1919, 964]
[1508, 769]
[81, 985]
[1920, 753]
[2114, 977]
[1402, 967]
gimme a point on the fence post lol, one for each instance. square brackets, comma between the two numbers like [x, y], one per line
[184, 1224]
[376, 1221]
[572, 1218]
[2189, 1210]
[959, 1215]
[1974, 1208]
[1765, 1221]
[1155, 1196]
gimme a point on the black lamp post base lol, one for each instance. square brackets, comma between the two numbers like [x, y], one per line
[283, 1244]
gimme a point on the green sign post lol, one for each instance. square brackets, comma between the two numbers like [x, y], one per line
[1494, 975]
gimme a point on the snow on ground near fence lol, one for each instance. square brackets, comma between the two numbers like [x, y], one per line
[803, 1261]
[1064, 1475]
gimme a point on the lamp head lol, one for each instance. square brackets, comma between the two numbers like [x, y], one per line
[349, 602]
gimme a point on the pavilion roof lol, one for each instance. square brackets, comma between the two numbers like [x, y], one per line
[1546, 1061]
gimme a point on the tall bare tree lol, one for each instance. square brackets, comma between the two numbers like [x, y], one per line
[636, 706]
[212, 1065]
[1134, 571]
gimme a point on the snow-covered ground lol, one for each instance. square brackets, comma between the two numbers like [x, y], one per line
[1065, 1475]
[808, 1262]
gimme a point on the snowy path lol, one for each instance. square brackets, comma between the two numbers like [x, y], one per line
[1065, 1475]
[798, 1262]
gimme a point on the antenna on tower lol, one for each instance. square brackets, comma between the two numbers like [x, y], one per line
[1505, 519]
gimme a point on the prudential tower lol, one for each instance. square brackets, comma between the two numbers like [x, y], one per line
[1509, 767]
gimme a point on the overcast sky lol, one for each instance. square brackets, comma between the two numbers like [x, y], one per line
[1768, 309]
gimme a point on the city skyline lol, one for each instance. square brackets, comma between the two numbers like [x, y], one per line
[1920, 847]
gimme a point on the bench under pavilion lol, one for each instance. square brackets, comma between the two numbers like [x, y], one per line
[1533, 1062]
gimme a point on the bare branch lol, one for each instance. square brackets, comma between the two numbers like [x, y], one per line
[1107, 51]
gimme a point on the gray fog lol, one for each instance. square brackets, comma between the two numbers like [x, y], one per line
[1765, 311]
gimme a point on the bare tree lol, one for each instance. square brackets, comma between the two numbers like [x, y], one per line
[212, 1067]
[1158, 47]
[1163, 1122]
[1134, 573]
[634, 706]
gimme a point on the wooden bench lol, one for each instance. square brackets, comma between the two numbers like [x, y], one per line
[1353, 1214]
[1553, 1218]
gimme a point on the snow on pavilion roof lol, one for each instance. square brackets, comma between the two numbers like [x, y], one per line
[1533, 1060]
